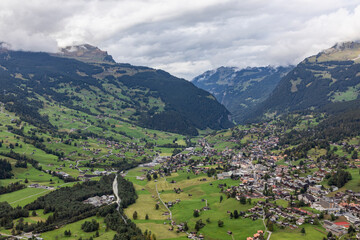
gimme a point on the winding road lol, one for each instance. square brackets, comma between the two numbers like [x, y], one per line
[118, 199]
[266, 230]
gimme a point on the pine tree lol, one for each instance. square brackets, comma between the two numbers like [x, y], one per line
[236, 214]
[220, 223]
[135, 215]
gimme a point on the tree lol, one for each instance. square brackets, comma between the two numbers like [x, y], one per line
[196, 213]
[26, 180]
[155, 176]
[33, 213]
[221, 197]
[135, 215]
[146, 217]
[157, 206]
[90, 226]
[148, 176]
[236, 214]
[351, 229]
[186, 227]
[270, 226]
[208, 220]
[354, 155]
[67, 233]
[303, 231]
[243, 200]
[339, 178]
[199, 224]
[220, 223]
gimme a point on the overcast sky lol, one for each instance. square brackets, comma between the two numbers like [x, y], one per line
[184, 37]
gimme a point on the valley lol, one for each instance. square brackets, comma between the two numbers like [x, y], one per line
[93, 149]
[232, 184]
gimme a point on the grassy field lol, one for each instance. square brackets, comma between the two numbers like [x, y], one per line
[77, 233]
[23, 196]
[311, 233]
[195, 195]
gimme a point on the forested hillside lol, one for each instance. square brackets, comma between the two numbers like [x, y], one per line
[331, 76]
[147, 97]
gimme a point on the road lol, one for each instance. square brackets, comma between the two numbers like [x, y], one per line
[163, 203]
[77, 164]
[7, 235]
[118, 199]
[269, 235]
[266, 230]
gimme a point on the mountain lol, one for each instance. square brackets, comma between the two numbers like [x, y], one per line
[85, 53]
[86, 79]
[331, 76]
[240, 90]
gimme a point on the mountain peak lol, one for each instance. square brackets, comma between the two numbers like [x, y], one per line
[86, 53]
[346, 45]
[4, 46]
[345, 51]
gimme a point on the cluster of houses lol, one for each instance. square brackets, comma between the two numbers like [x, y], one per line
[99, 201]
[260, 175]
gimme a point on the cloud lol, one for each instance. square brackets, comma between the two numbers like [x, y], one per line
[181, 36]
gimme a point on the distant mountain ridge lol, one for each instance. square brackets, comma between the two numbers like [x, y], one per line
[86, 79]
[331, 76]
[240, 90]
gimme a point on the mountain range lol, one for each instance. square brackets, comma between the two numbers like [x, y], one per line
[240, 90]
[88, 80]
[324, 82]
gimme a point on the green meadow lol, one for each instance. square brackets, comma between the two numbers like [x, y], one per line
[195, 195]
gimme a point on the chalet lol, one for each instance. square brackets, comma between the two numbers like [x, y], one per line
[307, 198]
[224, 175]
